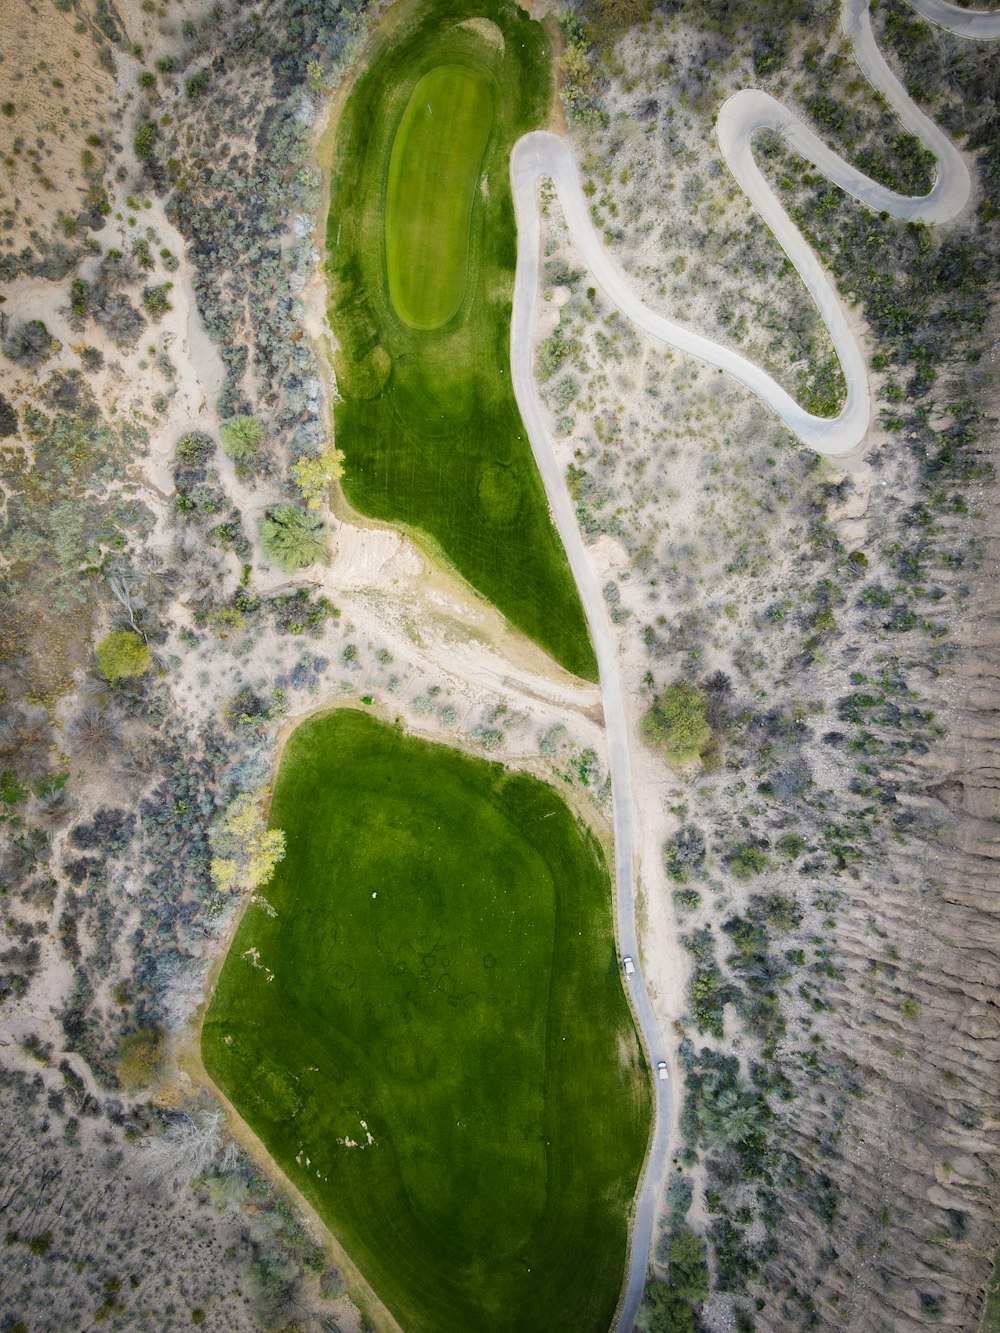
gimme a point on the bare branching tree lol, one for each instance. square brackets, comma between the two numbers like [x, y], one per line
[190, 1145]
[181, 988]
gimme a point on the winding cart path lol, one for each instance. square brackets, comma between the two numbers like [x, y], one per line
[543, 155]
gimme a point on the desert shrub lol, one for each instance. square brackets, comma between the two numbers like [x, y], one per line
[109, 831]
[293, 537]
[142, 254]
[156, 299]
[93, 732]
[140, 1055]
[8, 418]
[246, 709]
[120, 319]
[676, 723]
[79, 301]
[242, 437]
[717, 690]
[686, 900]
[684, 853]
[746, 859]
[123, 655]
[29, 343]
[197, 85]
[194, 447]
[709, 992]
[144, 141]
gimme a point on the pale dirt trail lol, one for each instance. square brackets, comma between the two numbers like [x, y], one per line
[542, 154]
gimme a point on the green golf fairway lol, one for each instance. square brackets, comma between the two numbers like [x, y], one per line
[421, 251]
[444, 1061]
[433, 175]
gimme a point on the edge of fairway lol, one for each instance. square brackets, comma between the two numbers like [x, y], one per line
[398, 16]
[188, 1049]
[325, 344]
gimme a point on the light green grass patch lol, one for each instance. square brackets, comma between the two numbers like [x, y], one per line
[444, 1061]
[433, 177]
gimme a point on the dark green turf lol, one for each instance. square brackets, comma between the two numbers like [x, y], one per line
[433, 179]
[429, 427]
[471, 1014]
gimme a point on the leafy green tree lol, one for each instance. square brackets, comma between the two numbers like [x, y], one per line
[245, 852]
[688, 1267]
[676, 723]
[664, 1310]
[293, 537]
[123, 655]
[731, 1115]
[313, 475]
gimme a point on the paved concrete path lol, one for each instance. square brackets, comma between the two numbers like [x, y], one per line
[982, 24]
[541, 155]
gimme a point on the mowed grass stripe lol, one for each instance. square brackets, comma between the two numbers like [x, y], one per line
[433, 178]
[445, 980]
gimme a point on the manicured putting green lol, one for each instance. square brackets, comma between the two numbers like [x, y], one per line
[431, 1037]
[433, 177]
[421, 251]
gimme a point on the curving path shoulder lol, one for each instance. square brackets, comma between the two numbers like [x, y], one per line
[980, 24]
[541, 154]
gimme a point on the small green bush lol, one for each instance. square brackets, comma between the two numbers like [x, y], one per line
[746, 860]
[687, 900]
[144, 141]
[242, 438]
[155, 299]
[194, 447]
[123, 655]
[676, 723]
[197, 85]
[293, 537]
